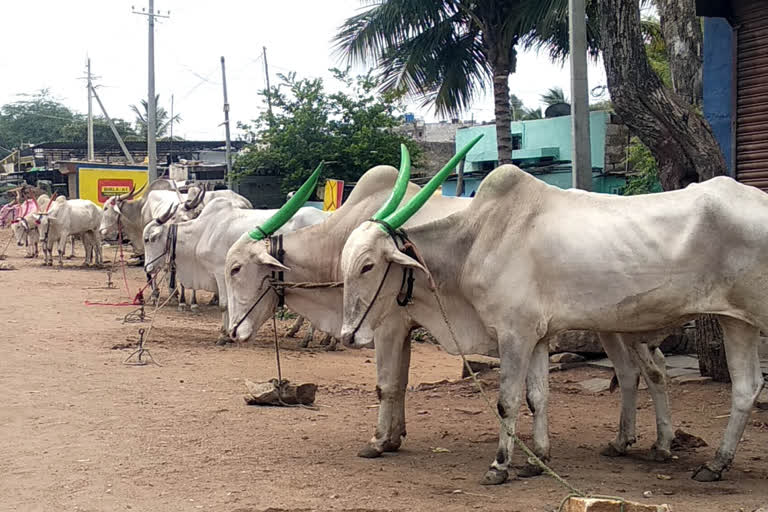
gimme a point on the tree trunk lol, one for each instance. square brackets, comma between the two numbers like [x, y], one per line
[683, 38]
[710, 349]
[503, 63]
[679, 138]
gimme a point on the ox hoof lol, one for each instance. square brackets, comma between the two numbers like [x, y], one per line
[213, 302]
[194, 308]
[705, 474]
[495, 477]
[660, 455]
[529, 470]
[182, 308]
[369, 452]
[611, 451]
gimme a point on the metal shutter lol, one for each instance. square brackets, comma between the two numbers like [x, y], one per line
[752, 93]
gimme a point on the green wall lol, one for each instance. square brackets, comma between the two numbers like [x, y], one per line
[541, 133]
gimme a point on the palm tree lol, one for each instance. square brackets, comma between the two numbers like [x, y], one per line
[163, 121]
[553, 95]
[445, 51]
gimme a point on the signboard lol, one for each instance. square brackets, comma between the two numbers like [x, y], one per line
[100, 183]
[334, 192]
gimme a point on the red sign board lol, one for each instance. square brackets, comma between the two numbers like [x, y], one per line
[114, 187]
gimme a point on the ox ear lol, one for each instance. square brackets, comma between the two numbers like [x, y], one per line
[270, 261]
[399, 257]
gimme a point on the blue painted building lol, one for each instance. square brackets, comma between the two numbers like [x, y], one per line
[735, 84]
[542, 147]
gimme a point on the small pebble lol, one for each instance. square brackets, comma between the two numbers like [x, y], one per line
[647, 494]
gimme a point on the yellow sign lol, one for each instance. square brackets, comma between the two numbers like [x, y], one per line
[99, 184]
[334, 192]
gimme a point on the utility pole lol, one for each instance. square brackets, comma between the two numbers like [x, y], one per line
[226, 124]
[581, 151]
[112, 126]
[89, 86]
[266, 74]
[151, 100]
[171, 149]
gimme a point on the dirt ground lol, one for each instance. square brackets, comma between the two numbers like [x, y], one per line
[81, 431]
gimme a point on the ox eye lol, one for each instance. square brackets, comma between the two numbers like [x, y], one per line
[235, 270]
[366, 268]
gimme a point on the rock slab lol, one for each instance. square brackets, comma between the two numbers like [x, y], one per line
[608, 505]
[273, 392]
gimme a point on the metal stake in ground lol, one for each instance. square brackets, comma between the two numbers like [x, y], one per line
[139, 353]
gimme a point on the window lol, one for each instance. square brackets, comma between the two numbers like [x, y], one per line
[517, 141]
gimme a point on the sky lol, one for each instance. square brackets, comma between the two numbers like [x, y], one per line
[46, 44]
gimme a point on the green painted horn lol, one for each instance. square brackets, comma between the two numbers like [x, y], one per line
[400, 185]
[398, 218]
[287, 211]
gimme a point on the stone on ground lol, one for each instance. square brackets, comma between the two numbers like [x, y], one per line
[566, 357]
[596, 385]
[609, 505]
[284, 393]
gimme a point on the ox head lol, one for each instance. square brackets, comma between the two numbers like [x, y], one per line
[249, 265]
[372, 264]
[111, 211]
[19, 227]
[156, 242]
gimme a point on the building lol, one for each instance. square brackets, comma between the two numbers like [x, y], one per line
[542, 147]
[735, 84]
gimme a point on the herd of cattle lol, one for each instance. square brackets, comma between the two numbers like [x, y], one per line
[496, 275]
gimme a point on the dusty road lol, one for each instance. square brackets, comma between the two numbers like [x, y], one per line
[81, 431]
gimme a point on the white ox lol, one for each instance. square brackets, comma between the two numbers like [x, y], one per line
[66, 218]
[314, 255]
[527, 260]
[200, 245]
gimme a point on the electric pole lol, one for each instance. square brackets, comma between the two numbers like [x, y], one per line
[266, 74]
[171, 149]
[90, 114]
[581, 150]
[226, 125]
[151, 100]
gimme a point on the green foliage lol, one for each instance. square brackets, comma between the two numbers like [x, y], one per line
[37, 118]
[40, 118]
[163, 119]
[553, 95]
[351, 130]
[645, 177]
[656, 50]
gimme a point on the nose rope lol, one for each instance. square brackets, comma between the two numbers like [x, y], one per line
[253, 306]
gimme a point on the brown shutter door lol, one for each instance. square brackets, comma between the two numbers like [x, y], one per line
[752, 93]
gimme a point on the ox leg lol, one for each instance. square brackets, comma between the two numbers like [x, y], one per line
[61, 248]
[193, 302]
[393, 358]
[295, 327]
[182, 298]
[304, 343]
[741, 342]
[87, 248]
[628, 376]
[656, 378]
[97, 248]
[71, 246]
[515, 357]
[537, 398]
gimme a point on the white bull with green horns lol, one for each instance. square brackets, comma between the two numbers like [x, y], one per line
[528, 260]
[198, 248]
[313, 255]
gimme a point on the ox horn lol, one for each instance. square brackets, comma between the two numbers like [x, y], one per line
[398, 218]
[168, 214]
[400, 185]
[287, 211]
[191, 204]
[50, 202]
[178, 194]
